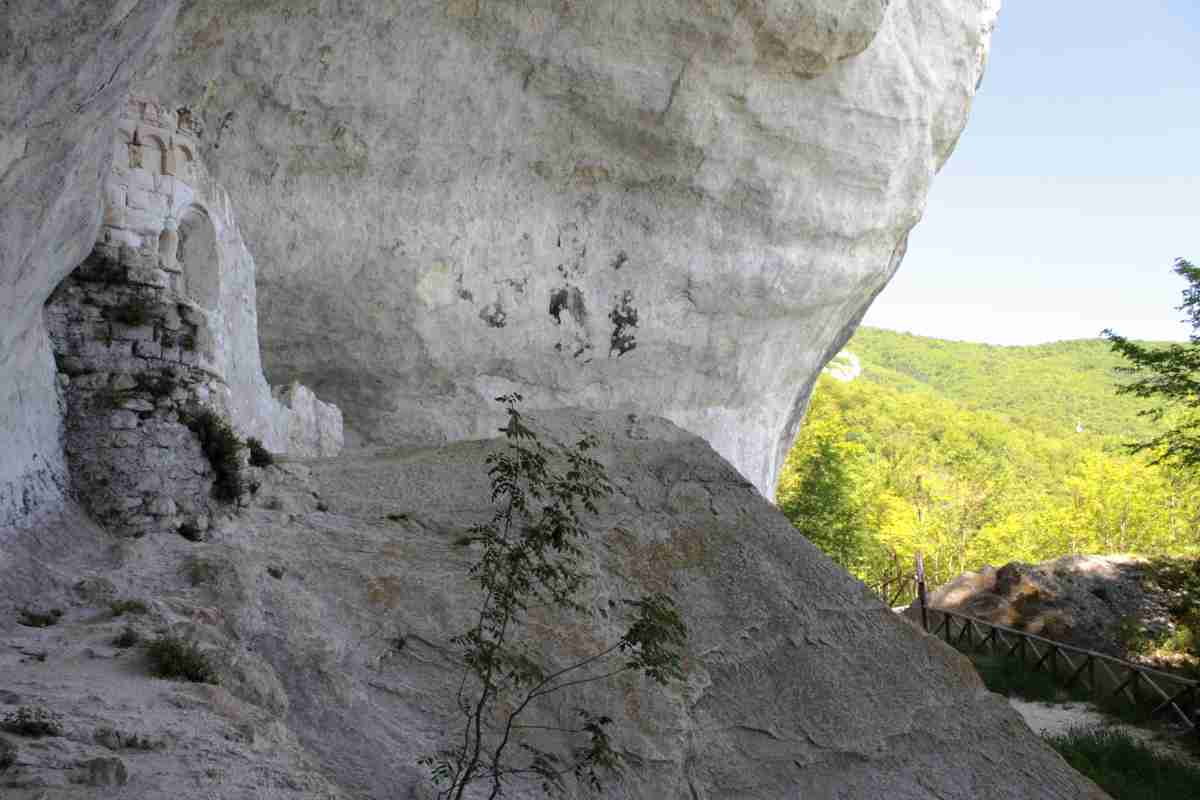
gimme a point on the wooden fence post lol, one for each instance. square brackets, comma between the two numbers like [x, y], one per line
[921, 591]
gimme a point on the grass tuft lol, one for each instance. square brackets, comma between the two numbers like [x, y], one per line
[1124, 767]
[172, 657]
[122, 607]
[37, 619]
[127, 638]
[259, 455]
[191, 531]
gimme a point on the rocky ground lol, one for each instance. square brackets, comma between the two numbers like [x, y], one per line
[327, 605]
[1135, 608]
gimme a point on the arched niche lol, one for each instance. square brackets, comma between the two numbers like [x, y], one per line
[154, 154]
[197, 258]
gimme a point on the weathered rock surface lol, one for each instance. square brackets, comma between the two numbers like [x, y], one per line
[65, 69]
[682, 206]
[329, 608]
[1096, 602]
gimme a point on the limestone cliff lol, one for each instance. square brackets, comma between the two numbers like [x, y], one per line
[679, 206]
[672, 206]
[328, 609]
[65, 70]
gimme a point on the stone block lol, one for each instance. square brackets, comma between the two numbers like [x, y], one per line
[170, 437]
[124, 382]
[163, 507]
[141, 197]
[141, 179]
[72, 365]
[107, 352]
[137, 404]
[149, 276]
[148, 349]
[149, 484]
[92, 380]
[193, 316]
[123, 439]
[123, 420]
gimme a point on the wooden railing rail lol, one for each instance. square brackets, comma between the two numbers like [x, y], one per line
[1139, 684]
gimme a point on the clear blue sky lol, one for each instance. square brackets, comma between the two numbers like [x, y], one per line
[1074, 187]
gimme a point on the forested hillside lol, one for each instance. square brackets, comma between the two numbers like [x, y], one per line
[977, 454]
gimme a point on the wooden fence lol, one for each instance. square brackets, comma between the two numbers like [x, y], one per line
[900, 586]
[1105, 677]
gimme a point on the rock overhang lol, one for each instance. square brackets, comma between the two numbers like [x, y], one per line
[708, 194]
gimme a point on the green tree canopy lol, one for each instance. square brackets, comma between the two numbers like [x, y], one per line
[1169, 374]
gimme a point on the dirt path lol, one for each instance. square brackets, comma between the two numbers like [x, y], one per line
[1057, 718]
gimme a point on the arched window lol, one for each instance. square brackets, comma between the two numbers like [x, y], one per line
[154, 155]
[197, 258]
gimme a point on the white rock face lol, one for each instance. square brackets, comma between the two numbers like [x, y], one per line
[65, 68]
[679, 206]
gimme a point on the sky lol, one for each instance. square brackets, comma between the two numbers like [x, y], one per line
[1074, 187]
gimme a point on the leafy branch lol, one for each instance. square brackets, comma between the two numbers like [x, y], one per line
[1171, 374]
[531, 553]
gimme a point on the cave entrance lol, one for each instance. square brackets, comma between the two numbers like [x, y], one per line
[197, 258]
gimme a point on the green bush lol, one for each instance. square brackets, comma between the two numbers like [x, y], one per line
[200, 571]
[191, 531]
[37, 619]
[127, 638]
[172, 657]
[122, 607]
[32, 721]
[259, 455]
[221, 446]
[1124, 767]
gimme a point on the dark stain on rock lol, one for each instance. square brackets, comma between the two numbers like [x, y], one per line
[621, 260]
[568, 299]
[494, 315]
[624, 318]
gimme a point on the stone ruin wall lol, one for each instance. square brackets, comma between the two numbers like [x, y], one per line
[155, 325]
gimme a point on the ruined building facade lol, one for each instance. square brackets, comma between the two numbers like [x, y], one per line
[157, 327]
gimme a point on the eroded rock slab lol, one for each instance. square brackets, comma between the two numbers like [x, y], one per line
[329, 609]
